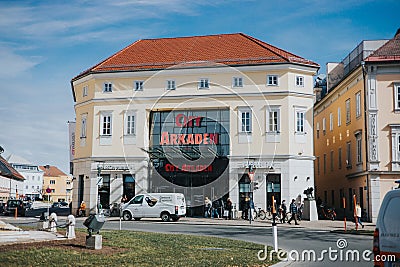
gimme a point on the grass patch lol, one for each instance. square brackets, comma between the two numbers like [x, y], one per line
[127, 248]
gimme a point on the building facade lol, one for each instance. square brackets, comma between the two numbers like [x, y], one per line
[356, 127]
[10, 181]
[194, 115]
[33, 183]
[57, 186]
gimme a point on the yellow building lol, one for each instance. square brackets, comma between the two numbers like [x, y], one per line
[357, 127]
[191, 115]
[57, 186]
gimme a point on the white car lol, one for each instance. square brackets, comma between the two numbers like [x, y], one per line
[155, 205]
[386, 244]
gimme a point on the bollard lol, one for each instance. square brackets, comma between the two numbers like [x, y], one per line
[70, 233]
[53, 222]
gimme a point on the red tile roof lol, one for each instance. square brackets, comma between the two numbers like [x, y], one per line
[8, 171]
[51, 171]
[390, 51]
[197, 51]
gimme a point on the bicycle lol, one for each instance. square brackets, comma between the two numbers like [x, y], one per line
[259, 214]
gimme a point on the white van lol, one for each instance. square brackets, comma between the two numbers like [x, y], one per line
[155, 205]
[387, 233]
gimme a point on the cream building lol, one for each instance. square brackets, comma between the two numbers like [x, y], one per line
[57, 186]
[356, 127]
[191, 115]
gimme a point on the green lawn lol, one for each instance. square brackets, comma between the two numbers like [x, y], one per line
[127, 248]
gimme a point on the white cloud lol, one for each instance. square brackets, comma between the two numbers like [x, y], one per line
[13, 65]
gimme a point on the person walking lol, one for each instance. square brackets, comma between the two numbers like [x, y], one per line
[207, 207]
[215, 208]
[358, 215]
[228, 207]
[283, 211]
[293, 210]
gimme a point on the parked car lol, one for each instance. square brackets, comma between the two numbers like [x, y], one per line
[59, 208]
[15, 204]
[387, 232]
[155, 205]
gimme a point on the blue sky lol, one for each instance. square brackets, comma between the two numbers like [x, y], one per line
[44, 44]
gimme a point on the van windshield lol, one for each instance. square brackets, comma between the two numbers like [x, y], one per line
[137, 200]
[391, 218]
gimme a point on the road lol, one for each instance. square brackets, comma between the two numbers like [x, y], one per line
[290, 239]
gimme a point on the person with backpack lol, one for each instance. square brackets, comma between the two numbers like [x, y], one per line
[293, 210]
[283, 211]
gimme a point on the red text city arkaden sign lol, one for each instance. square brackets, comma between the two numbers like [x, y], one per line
[188, 139]
[183, 121]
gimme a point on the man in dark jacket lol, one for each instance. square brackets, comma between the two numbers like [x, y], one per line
[293, 210]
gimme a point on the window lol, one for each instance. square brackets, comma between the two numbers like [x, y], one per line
[333, 197]
[348, 115]
[107, 87]
[331, 122]
[348, 154]
[85, 90]
[300, 117]
[237, 82]
[324, 126]
[358, 104]
[171, 85]
[317, 130]
[359, 147]
[300, 81]
[138, 85]
[26, 187]
[83, 126]
[105, 124]
[203, 83]
[339, 117]
[395, 132]
[318, 163]
[332, 167]
[397, 97]
[129, 123]
[324, 163]
[53, 190]
[246, 121]
[52, 181]
[273, 123]
[340, 158]
[272, 80]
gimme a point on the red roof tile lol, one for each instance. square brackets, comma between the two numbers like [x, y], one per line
[390, 51]
[8, 171]
[196, 51]
[51, 171]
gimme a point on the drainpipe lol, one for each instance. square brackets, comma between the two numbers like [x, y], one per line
[364, 73]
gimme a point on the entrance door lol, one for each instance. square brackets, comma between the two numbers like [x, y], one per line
[81, 186]
[104, 192]
[129, 186]
[273, 188]
[244, 191]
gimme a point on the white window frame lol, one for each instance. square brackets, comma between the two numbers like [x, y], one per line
[348, 111]
[348, 155]
[331, 122]
[83, 125]
[171, 85]
[299, 81]
[85, 90]
[272, 80]
[300, 121]
[317, 128]
[130, 123]
[358, 136]
[339, 117]
[396, 96]
[340, 158]
[106, 131]
[358, 104]
[107, 87]
[273, 123]
[237, 82]
[138, 85]
[324, 126]
[395, 132]
[245, 121]
[204, 83]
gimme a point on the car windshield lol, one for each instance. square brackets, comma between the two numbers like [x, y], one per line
[13, 203]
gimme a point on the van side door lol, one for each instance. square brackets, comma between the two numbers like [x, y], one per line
[136, 206]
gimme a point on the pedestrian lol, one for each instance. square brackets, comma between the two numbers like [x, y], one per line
[215, 208]
[358, 215]
[293, 210]
[228, 207]
[82, 209]
[283, 211]
[246, 207]
[207, 207]
[124, 199]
